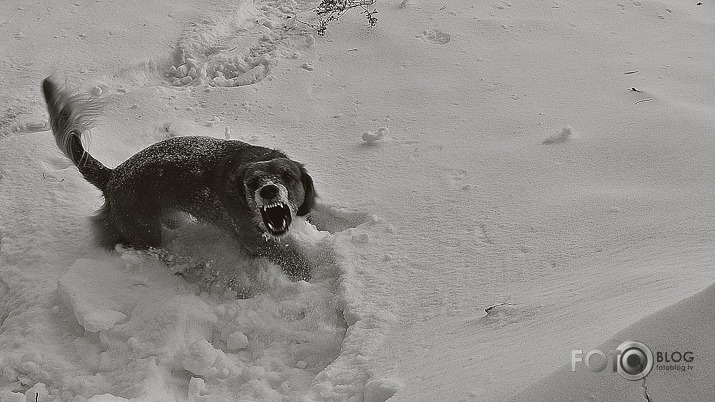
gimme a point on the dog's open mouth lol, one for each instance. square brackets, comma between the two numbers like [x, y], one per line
[276, 217]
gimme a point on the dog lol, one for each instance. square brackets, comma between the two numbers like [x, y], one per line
[251, 192]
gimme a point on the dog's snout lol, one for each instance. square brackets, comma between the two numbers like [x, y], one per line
[269, 191]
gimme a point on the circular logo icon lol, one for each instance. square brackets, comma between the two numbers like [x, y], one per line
[635, 360]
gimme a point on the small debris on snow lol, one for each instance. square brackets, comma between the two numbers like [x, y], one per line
[227, 133]
[496, 307]
[237, 341]
[310, 40]
[301, 364]
[565, 135]
[197, 357]
[307, 66]
[37, 391]
[96, 91]
[369, 136]
[503, 314]
[214, 121]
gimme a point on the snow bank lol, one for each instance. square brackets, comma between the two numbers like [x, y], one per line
[684, 326]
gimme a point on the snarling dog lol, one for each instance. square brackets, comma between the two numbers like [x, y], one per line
[251, 192]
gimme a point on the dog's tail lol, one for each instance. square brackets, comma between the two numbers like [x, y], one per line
[70, 116]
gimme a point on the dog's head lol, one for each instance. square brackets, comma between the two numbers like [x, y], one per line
[276, 191]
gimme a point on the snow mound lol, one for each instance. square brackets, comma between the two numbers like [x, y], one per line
[85, 295]
[237, 340]
[337, 219]
[146, 323]
[197, 357]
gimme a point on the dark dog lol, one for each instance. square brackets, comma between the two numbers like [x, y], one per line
[252, 192]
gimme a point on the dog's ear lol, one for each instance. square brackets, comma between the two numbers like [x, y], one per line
[309, 191]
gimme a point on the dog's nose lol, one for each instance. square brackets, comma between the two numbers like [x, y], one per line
[269, 191]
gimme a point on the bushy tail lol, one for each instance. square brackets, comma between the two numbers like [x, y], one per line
[70, 116]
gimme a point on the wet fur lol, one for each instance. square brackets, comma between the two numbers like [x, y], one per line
[216, 181]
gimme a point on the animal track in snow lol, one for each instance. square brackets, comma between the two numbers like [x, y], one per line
[434, 36]
[234, 49]
[457, 179]
[9, 122]
[480, 232]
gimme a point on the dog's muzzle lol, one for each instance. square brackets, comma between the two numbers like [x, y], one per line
[276, 214]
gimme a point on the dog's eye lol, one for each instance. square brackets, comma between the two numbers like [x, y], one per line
[288, 175]
[252, 182]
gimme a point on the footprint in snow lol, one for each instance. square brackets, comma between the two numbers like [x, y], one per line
[434, 36]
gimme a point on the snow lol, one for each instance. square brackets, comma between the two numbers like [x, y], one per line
[381, 389]
[565, 135]
[521, 174]
[197, 357]
[237, 340]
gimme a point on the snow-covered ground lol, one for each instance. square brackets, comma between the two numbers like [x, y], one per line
[554, 156]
